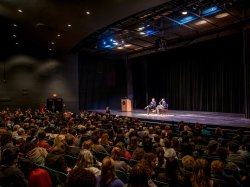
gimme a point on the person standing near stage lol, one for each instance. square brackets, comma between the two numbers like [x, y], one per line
[162, 105]
[152, 105]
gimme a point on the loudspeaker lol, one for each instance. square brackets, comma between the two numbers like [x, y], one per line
[55, 104]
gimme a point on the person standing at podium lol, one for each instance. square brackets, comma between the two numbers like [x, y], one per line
[152, 105]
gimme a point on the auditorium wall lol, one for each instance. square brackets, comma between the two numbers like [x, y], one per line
[28, 80]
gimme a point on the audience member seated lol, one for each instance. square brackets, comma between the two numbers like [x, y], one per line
[105, 142]
[149, 162]
[162, 106]
[86, 161]
[10, 175]
[71, 148]
[96, 147]
[124, 152]
[32, 135]
[80, 177]
[41, 140]
[220, 178]
[108, 177]
[55, 159]
[138, 178]
[39, 177]
[119, 165]
[151, 106]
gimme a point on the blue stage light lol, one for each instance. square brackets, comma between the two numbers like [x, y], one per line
[210, 10]
[186, 19]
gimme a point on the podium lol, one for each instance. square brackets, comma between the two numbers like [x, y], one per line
[126, 105]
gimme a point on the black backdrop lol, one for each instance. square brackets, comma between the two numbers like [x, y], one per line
[102, 82]
[208, 76]
[204, 77]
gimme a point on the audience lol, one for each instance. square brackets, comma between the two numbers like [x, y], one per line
[180, 155]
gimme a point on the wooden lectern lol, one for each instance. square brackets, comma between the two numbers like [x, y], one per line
[126, 105]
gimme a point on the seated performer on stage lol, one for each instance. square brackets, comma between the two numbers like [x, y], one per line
[152, 105]
[162, 105]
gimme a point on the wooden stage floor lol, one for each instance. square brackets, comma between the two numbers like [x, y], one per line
[208, 118]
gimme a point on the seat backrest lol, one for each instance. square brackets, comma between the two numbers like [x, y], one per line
[100, 155]
[125, 160]
[133, 162]
[122, 176]
[70, 160]
[160, 183]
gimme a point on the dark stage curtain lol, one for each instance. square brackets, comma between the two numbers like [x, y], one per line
[246, 39]
[204, 77]
[102, 82]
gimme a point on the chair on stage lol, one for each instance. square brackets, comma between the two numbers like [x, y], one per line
[163, 111]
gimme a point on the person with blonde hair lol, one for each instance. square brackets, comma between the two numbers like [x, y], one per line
[86, 160]
[108, 177]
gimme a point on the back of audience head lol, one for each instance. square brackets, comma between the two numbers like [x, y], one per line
[87, 144]
[85, 159]
[138, 177]
[217, 167]
[70, 139]
[79, 177]
[108, 171]
[116, 153]
[9, 156]
[188, 163]
[41, 135]
[39, 178]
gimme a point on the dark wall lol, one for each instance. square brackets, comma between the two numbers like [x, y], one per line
[203, 77]
[27, 81]
[102, 82]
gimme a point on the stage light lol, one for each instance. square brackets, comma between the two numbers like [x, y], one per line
[186, 19]
[210, 11]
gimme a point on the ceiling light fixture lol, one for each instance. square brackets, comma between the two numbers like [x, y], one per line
[120, 47]
[127, 45]
[14, 25]
[222, 15]
[14, 35]
[52, 43]
[69, 25]
[201, 22]
[50, 49]
[20, 10]
[17, 43]
[184, 12]
[87, 12]
[58, 35]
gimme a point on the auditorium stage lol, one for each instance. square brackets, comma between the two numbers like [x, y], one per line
[208, 118]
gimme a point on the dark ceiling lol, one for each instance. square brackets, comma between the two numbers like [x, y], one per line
[42, 20]
[116, 27]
